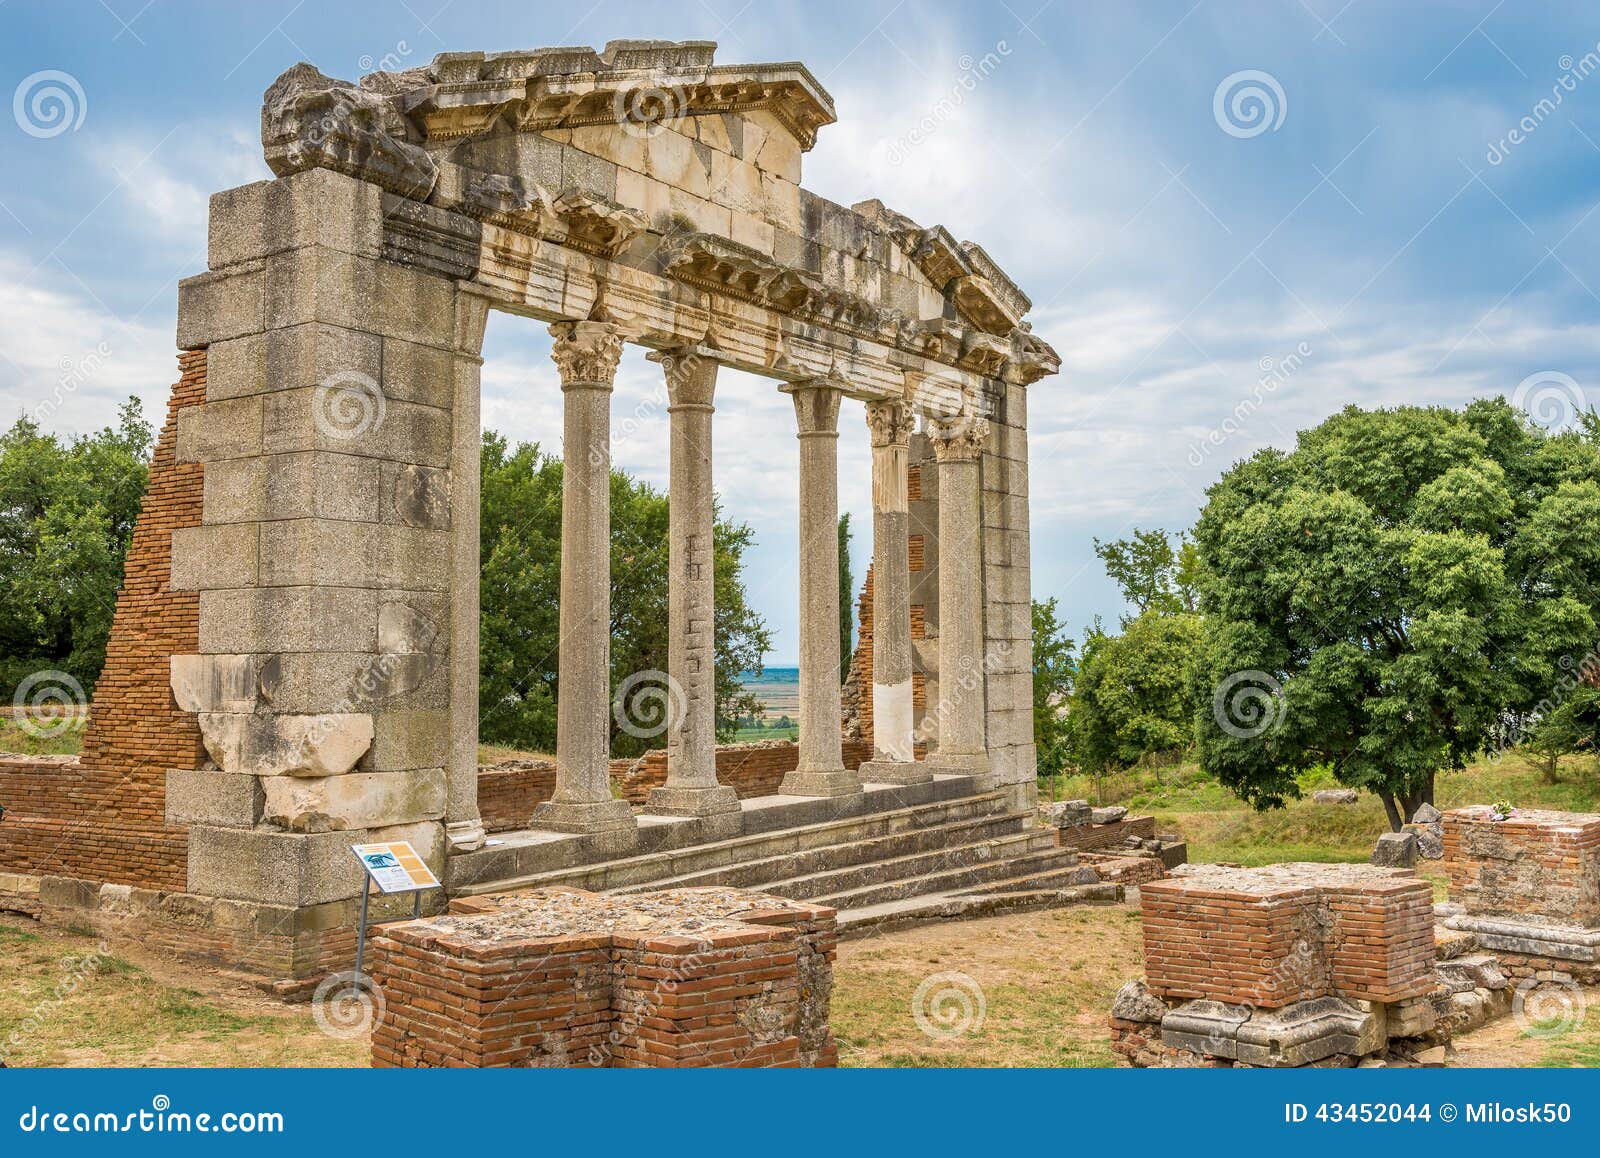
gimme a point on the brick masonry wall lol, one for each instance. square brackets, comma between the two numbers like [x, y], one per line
[1536, 864]
[684, 978]
[1267, 937]
[749, 769]
[102, 816]
[1088, 837]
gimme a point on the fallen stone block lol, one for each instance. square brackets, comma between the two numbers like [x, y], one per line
[1395, 850]
[1336, 796]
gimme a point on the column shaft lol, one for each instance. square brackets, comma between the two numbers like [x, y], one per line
[957, 443]
[893, 752]
[821, 770]
[691, 787]
[586, 353]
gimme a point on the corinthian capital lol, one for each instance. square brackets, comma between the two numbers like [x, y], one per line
[890, 422]
[586, 353]
[958, 439]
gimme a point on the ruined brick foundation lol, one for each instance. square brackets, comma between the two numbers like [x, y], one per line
[562, 977]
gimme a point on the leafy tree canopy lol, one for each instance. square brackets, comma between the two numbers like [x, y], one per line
[1386, 597]
[67, 510]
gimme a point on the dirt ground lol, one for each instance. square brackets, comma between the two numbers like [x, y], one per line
[1026, 990]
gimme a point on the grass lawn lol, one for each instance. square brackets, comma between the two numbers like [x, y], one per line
[15, 738]
[66, 1000]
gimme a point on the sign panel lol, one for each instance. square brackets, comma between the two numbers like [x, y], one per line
[395, 867]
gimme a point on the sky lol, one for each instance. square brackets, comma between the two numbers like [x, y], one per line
[1233, 219]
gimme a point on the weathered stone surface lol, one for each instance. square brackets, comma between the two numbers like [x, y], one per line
[1395, 850]
[1135, 1002]
[357, 800]
[274, 867]
[263, 745]
[1336, 796]
[1108, 815]
[205, 796]
[215, 683]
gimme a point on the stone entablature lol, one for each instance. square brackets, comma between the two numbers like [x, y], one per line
[667, 187]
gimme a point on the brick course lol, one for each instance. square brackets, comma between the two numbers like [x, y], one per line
[1537, 863]
[1268, 937]
[102, 816]
[560, 977]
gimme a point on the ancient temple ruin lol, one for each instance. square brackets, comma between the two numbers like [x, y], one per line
[326, 557]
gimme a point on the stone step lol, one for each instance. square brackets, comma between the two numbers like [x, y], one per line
[860, 855]
[951, 881]
[626, 872]
[928, 862]
[888, 916]
[1065, 877]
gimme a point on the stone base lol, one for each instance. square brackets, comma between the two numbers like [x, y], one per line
[895, 772]
[835, 782]
[598, 816]
[1531, 937]
[1299, 1034]
[976, 765]
[717, 808]
[465, 835]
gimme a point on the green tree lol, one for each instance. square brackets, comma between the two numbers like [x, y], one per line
[1131, 695]
[847, 600]
[1054, 664]
[1382, 599]
[520, 589]
[67, 511]
[1152, 574]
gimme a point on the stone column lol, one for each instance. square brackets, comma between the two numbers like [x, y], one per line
[893, 757]
[957, 444]
[821, 770]
[691, 788]
[586, 354]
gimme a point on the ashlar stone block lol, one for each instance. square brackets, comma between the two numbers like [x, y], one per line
[286, 745]
[279, 868]
[359, 800]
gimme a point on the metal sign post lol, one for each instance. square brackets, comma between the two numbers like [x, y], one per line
[395, 868]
